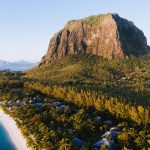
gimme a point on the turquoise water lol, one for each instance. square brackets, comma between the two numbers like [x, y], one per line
[5, 142]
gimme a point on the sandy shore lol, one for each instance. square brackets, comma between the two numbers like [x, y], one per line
[13, 131]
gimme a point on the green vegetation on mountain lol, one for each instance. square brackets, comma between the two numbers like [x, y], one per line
[92, 21]
[126, 79]
[87, 86]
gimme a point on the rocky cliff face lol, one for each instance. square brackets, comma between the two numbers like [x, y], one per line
[109, 36]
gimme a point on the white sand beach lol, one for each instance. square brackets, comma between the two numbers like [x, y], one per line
[13, 131]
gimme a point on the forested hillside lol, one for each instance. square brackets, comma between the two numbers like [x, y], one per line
[127, 79]
[79, 100]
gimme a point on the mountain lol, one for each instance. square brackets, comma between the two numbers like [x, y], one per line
[16, 66]
[80, 93]
[94, 50]
[107, 35]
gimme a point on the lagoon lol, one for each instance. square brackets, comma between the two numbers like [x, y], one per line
[5, 141]
[10, 135]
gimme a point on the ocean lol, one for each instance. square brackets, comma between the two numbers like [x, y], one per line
[5, 141]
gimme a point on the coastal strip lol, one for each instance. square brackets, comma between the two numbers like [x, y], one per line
[13, 131]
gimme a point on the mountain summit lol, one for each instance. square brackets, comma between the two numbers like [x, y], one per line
[107, 35]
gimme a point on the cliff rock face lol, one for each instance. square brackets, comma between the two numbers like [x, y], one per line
[109, 36]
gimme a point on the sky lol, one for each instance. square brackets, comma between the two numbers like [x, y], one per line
[26, 26]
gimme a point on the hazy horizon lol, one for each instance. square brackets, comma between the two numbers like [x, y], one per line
[27, 27]
[19, 60]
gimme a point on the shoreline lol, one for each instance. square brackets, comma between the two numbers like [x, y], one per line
[13, 131]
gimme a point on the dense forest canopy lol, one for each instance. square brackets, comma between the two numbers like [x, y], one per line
[77, 99]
